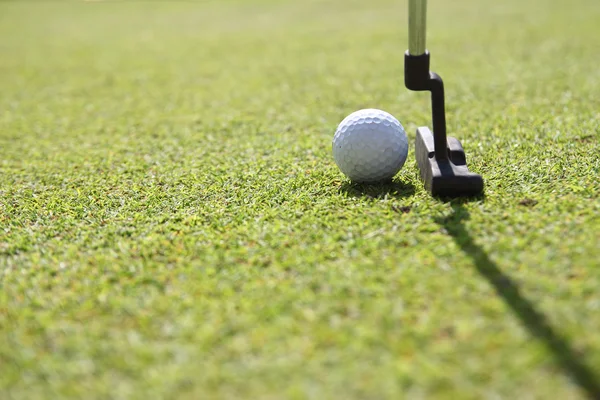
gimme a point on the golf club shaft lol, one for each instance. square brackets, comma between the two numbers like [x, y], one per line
[417, 25]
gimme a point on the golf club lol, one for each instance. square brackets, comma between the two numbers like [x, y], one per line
[441, 159]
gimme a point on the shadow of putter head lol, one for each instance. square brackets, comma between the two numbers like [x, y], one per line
[441, 159]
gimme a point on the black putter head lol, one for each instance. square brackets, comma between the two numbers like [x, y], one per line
[448, 177]
[441, 159]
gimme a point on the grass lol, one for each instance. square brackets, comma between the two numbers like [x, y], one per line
[173, 224]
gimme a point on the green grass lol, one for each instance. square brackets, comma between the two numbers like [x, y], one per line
[172, 223]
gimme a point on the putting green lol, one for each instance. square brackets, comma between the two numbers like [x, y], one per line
[172, 223]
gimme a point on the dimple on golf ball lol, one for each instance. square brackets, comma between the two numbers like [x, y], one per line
[370, 146]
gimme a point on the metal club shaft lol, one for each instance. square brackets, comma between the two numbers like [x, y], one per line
[417, 27]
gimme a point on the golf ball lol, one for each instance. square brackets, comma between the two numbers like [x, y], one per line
[370, 146]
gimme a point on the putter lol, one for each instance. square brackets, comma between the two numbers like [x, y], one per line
[441, 159]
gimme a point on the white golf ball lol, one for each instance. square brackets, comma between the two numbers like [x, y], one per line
[370, 146]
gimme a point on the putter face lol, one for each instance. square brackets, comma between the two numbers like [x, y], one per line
[447, 177]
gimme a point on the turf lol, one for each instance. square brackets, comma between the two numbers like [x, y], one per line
[173, 224]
